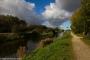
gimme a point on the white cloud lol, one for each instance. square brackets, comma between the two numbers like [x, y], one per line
[60, 11]
[55, 14]
[46, 23]
[14, 6]
[52, 11]
[20, 8]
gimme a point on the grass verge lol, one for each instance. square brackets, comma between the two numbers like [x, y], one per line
[61, 49]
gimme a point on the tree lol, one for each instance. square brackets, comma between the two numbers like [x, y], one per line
[81, 18]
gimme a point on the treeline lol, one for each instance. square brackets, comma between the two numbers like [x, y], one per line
[11, 24]
[81, 19]
[19, 29]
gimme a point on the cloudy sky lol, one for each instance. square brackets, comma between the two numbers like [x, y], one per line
[51, 13]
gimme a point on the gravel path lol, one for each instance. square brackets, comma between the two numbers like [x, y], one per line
[81, 50]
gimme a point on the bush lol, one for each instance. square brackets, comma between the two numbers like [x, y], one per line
[46, 42]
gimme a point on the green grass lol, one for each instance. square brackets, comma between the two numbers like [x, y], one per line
[61, 49]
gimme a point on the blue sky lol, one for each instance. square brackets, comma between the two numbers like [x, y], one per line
[66, 25]
[40, 4]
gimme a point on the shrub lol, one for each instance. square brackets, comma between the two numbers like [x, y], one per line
[46, 42]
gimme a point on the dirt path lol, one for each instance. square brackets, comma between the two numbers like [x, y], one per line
[81, 50]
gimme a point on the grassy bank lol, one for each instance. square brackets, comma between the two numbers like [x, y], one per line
[61, 49]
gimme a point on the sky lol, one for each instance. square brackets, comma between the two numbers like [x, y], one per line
[51, 13]
[40, 4]
[66, 25]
